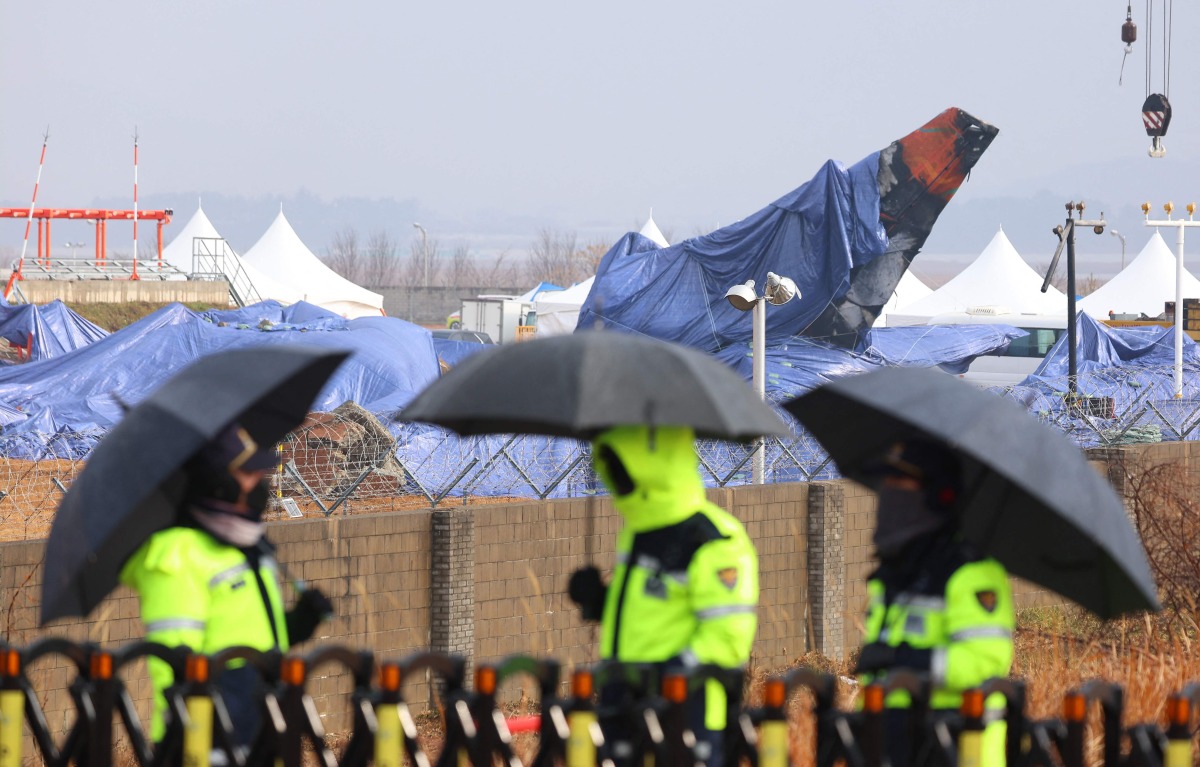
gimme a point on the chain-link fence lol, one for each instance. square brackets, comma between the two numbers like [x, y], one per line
[350, 460]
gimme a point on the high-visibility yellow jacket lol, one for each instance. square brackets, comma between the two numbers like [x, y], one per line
[199, 592]
[685, 585]
[961, 626]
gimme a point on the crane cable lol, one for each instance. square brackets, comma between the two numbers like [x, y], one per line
[1167, 21]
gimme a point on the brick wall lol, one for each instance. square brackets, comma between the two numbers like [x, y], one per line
[489, 581]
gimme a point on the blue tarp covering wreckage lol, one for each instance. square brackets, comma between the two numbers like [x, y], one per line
[80, 395]
[46, 331]
[845, 238]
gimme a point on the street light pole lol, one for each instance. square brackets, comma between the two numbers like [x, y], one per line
[1179, 225]
[778, 290]
[424, 250]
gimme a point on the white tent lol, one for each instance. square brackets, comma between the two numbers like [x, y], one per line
[178, 252]
[558, 312]
[1142, 287]
[908, 291]
[651, 231]
[283, 257]
[997, 277]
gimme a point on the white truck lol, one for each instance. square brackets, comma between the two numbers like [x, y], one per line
[498, 316]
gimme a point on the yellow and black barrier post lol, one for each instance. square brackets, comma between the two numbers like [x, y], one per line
[970, 738]
[584, 737]
[389, 729]
[12, 708]
[774, 737]
[774, 743]
[198, 706]
[1180, 708]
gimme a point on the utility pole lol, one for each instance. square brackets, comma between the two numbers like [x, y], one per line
[1066, 236]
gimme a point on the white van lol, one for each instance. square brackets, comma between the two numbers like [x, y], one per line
[1022, 356]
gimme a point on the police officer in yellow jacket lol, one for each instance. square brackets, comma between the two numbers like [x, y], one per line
[936, 606]
[684, 590]
[211, 582]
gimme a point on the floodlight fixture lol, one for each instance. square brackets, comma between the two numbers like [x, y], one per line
[742, 297]
[780, 290]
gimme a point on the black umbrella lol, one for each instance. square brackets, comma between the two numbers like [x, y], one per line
[581, 384]
[1030, 499]
[132, 483]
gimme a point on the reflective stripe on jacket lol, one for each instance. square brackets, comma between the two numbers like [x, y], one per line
[196, 591]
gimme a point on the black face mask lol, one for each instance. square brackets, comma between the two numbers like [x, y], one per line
[903, 517]
[208, 484]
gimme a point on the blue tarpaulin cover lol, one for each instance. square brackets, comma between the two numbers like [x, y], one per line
[814, 235]
[845, 238]
[53, 329]
[81, 393]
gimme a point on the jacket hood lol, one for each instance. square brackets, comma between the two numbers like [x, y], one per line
[652, 473]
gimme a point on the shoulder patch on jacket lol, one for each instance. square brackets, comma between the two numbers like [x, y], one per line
[728, 577]
[987, 600]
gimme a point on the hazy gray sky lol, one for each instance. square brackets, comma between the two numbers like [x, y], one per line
[580, 116]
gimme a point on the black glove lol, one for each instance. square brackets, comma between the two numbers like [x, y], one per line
[310, 609]
[586, 589]
[875, 657]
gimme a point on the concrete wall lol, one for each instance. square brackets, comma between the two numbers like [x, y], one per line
[489, 581]
[123, 291]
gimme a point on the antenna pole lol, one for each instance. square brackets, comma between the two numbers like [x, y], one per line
[32, 204]
[134, 276]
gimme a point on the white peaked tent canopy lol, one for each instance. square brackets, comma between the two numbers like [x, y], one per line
[178, 252]
[909, 290]
[997, 277]
[651, 232]
[558, 312]
[283, 257]
[1142, 287]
